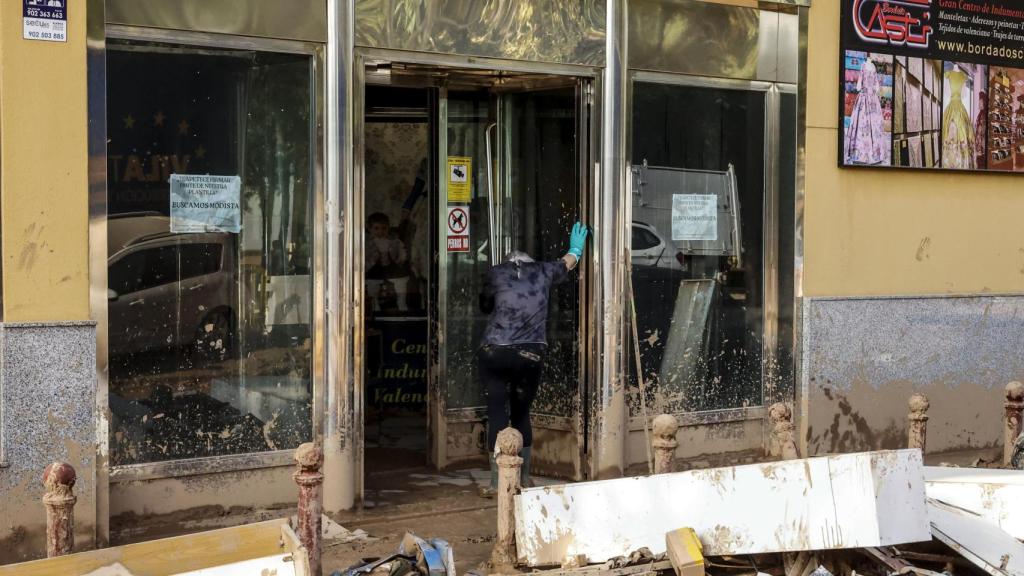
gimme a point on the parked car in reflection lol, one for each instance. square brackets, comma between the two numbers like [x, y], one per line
[169, 290]
[650, 248]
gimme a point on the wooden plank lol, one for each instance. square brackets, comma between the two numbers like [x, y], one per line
[843, 501]
[166, 556]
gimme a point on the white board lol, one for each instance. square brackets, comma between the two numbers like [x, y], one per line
[995, 495]
[977, 540]
[845, 501]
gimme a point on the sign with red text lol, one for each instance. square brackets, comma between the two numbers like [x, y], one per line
[458, 229]
[932, 84]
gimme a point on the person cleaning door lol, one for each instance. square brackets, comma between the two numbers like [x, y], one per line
[511, 356]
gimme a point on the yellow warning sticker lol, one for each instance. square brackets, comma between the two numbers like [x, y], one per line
[460, 178]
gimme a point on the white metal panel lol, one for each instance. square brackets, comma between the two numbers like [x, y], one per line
[976, 539]
[845, 501]
[995, 495]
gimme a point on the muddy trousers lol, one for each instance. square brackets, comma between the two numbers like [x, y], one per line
[510, 375]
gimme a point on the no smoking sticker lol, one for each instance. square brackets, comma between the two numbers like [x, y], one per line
[458, 229]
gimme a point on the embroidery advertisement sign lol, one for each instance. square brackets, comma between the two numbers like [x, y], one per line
[932, 84]
[205, 204]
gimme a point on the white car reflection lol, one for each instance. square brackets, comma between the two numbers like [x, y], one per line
[650, 248]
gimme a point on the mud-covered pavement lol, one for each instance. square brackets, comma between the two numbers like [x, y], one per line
[426, 503]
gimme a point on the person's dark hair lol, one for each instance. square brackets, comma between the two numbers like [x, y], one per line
[378, 218]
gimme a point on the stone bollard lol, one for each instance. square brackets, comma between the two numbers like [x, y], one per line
[58, 480]
[783, 442]
[509, 444]
[309, 457]
[917, 431]
[1014, 405]
[664, 443]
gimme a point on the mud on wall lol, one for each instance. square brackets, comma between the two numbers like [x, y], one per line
[47, 413]
[864, 357]
[148, 508]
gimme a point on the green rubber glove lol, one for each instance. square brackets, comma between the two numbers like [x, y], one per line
[578, 240]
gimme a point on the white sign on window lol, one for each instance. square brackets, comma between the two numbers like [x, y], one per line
[205, 203]
[695, 217]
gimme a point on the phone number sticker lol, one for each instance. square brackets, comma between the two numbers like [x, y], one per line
[45, 20]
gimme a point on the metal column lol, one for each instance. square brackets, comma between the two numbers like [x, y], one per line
[342, 479]
[609, 421]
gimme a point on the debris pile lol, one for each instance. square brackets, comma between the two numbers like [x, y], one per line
[415, 557]
[874, 513]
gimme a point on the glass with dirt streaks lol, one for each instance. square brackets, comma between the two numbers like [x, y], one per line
[208, 331]
[697, 247]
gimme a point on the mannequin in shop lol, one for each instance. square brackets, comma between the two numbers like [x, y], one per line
[511, 356]
[957, 127]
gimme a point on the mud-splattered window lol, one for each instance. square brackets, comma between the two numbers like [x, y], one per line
[698, 197]
[209, 311]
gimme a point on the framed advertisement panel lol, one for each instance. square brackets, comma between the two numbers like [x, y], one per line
[932, 84]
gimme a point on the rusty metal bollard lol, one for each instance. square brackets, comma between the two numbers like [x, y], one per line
[58, 480]
[664, 442]
[1014, 405]
[782, 443]
[917, 431]
[310, 457]
[509, 444]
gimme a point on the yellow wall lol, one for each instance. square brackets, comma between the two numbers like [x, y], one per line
[43, 171]
[888, 232]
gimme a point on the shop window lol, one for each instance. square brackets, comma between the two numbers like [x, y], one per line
[698, 197]
[210, 301]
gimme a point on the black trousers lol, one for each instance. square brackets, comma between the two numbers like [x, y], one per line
[511, 375]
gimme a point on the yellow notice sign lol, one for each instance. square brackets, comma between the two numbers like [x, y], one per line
[460, 177]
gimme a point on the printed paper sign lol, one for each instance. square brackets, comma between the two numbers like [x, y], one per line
[458, 229]
[695, 217]
[45, 20]
[205, 204]
[460, 178]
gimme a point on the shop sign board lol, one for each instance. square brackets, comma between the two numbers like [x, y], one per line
[204, 203]
[458, 229]
[932, 84]
[695, 217]
[460, 178]
[45, 20]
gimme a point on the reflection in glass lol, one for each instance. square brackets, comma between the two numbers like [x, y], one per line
[209, 333]
[697, 253]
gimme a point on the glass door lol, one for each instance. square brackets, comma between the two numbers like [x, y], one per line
[511, 180]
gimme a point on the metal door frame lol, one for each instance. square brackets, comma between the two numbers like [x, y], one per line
[355, 215]
[770, 235]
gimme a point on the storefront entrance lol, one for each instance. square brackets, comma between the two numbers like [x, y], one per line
[460, 168]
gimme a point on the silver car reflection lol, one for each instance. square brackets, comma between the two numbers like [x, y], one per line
[169, 290]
